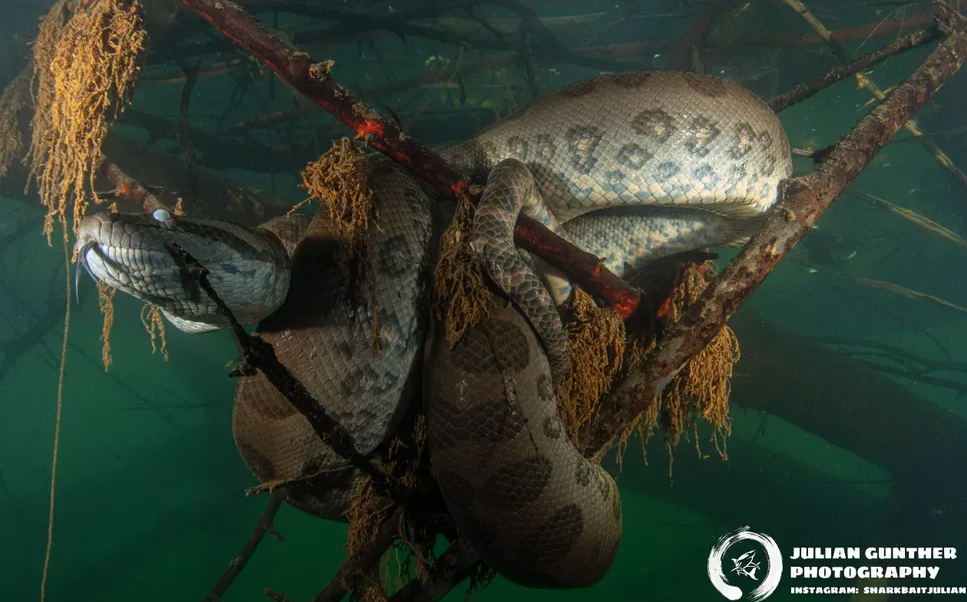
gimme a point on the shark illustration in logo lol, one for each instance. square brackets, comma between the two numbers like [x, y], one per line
[746, 565]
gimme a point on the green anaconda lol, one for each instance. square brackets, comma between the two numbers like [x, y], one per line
[630, 166]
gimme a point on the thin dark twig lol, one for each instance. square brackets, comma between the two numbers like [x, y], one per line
[184, 130]
[271, 594]
[837, 74]
[241, 559]
[913, 375]
[899, 354]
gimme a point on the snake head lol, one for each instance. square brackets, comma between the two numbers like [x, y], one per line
[248, 268]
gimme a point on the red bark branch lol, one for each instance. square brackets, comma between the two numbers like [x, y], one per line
[127, 187]
[532, 235]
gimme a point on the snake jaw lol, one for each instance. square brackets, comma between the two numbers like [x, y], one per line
[107, 265]
[130, 253]
[82, 262]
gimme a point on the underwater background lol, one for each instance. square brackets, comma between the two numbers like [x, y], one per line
[849, 423]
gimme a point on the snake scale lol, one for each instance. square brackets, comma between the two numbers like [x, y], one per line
[630, 166]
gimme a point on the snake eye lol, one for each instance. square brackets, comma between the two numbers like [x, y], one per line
[161, 215]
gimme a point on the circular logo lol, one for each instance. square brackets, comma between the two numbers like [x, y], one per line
[753, 559]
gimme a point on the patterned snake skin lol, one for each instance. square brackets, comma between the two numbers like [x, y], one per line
[665, 161]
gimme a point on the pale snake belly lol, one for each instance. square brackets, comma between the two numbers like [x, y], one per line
[631, 167]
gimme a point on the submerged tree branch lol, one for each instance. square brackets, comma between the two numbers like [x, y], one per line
[129, 188]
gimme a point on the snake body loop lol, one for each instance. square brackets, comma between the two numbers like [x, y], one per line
[510, 189]
[632, 167]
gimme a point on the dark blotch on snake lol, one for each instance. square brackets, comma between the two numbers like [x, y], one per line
[616, 504]
[554, 539]
[457, 489]
[768, 166]
[576, 89]
[478, 158]
[630, 80]
[616, 178]
[745, 138]
[489, 147]
[738, 172]
[633, 156]
[222, 237]
[583, 142]
[667, 170]
[703, 171]
[493, 421]
[545, 387]
[701, 134]
[497, 339]
[257, 463]
[710, 87]
[393, 256]
[517, 147]
[472, 355]
[654, 124]
[553, 429]
[516, 485]
[765, 140]
[447, 420]
[546, 148]
[583, 472]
